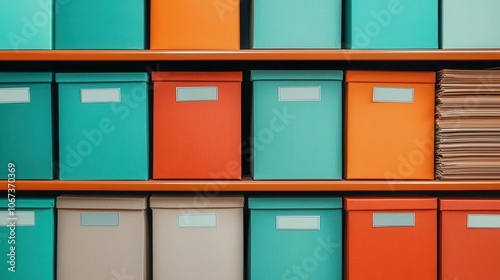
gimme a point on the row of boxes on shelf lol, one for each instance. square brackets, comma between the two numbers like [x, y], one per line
[288, 238]
[281, 24]
[297, 130]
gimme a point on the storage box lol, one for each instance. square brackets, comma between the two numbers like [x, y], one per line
[470, 25]
[391, 24]
[390, 125]
[28, 248]
[27, 25]
[297, 125]
[197, 125]
[197, 238]
[102, 237]
[296, 24]
[96, 24]
[470, 238]
[205, 24]
[295, 238]
[26, 120]
[392, 238]
[103, 126]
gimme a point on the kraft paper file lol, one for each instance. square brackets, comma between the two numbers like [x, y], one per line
[468, 124]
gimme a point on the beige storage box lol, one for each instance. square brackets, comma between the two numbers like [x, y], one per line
[102, 238]
[197, 238]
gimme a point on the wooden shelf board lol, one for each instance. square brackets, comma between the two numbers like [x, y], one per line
[248, 185]
[249, 55]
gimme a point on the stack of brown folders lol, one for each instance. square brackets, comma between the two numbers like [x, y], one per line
[468, 124]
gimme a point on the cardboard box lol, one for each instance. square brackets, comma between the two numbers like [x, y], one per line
[28, 249]
[296, 24]
[391, 24]
[295, 238]
[390, 125]
[470, 238]
[26, 118]
[392, 238]
[104, 233]
[198, 25]
[100, 25]
[297, 125]
[103, 126]
[197, 125]
[197, 239]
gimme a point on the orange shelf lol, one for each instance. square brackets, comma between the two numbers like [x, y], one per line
[249, 185]
[250, 55]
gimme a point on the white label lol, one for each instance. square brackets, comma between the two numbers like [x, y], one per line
[483, 221]
[95, 219]
[298, 223]
[299, 94]
[393, 219]
[197, 220]
[101, 95]
[393, 95]
[185, 94]
[21, 218]
[14, 95]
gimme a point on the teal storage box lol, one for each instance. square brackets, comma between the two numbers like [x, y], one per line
[391, 24]
[100, 25]
[295, 238]
[470, 24]
[297, 125]
[103, 126]
[26, 119]
[28, 248]
[296, 24]
[27, 25]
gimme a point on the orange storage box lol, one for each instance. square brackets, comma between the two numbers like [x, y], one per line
[390, 125]
[470, 239]
[197, 125]
[391, 238]
[202, 24]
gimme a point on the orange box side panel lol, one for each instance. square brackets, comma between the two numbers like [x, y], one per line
[389, 140]
[391, 77]
[380, 203]
[470, 204]
[197, 140]
[201, 24]
[391, 253]
[468, 254]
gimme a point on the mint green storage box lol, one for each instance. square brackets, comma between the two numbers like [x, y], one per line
[391, 24]
[34, 240]
[26, 25]
[103, 126]
[26, 120]
[297, 125]
[295, 238]
[100, 25]
[469, 24]
[296, 24]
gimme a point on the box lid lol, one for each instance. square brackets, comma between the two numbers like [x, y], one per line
[275, 75]
[295, 203]
[25, 77]
[458, 204]
[190, 202]
[39, 203]
[368, 204]
[391, 77]
[101, 77]
[102, 202]
[197, 76]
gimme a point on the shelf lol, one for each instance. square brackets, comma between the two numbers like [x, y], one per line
[251, 55]
[249, 185]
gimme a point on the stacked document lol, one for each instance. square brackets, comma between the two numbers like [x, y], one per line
[468, 124]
